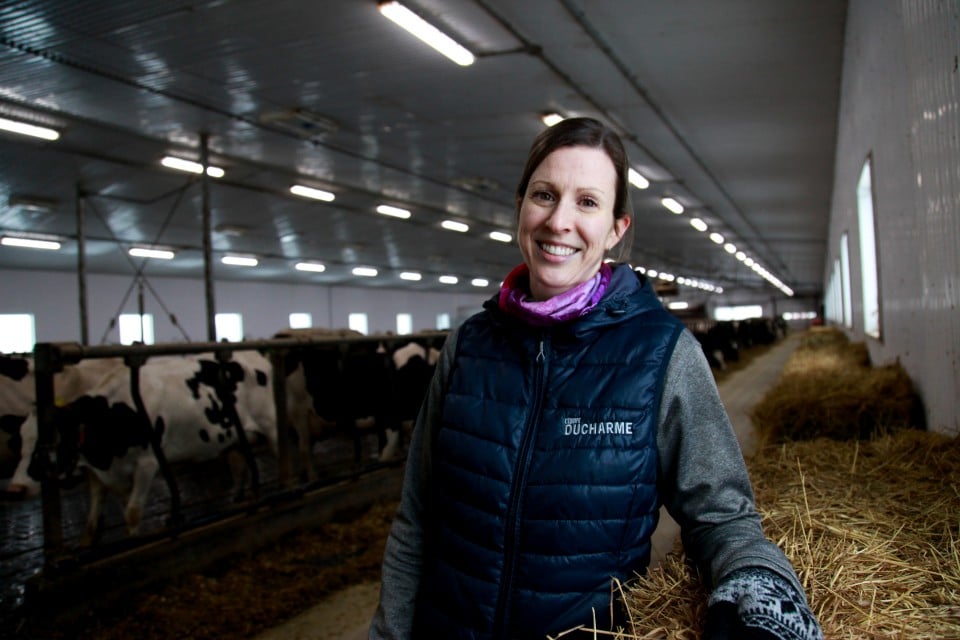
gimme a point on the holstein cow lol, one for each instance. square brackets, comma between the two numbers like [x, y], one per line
[18, 405]
[414, 363]
[189, 412]
[338, 388]
[16, 402]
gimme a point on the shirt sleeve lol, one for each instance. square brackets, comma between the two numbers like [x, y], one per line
[402, 558]
[703, 477]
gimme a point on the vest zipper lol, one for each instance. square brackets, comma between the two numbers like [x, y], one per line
[518, 491]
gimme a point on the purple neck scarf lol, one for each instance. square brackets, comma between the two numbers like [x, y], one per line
[568, 305]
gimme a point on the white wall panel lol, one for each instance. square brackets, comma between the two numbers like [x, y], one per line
[900, 105]
[53, 298]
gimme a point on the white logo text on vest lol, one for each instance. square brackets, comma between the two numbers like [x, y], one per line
[574, 427]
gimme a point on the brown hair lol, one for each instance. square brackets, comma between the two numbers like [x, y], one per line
[585, 132]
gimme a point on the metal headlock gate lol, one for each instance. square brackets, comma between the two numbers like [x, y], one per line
[51, 358]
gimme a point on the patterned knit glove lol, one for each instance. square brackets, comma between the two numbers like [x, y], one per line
[757, 604]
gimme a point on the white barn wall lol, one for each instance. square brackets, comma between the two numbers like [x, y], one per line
[900, 105]
[53, 298]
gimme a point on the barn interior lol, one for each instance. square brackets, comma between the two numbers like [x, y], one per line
[270, 158]
[727, 111]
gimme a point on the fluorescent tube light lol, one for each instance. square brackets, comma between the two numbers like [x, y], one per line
[180, 164]
[672, 205]
[313, 267]
[29, 243]
[500, 236]
[422, 29]
[480, 282]
[33, 203]
[740, 255]
[551, 119]
[239, 261]
[365, 272]
[698, 224]
[716, 237]
[313, 194]
[393, 212]
[453, 225]
[25, 129]
[636, 179]
[412, 276]
[730, 247]
[146, 252]
[449, 279]
[678, 305]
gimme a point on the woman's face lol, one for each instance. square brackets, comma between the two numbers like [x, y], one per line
[566, 221]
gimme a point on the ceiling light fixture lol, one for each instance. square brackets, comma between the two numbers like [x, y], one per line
[698, 224]
[428, 33]
[26, 129]
[364, 272]
[147, 252]
[393, 212]
[551, 118]
[480, 282]
[312, 193]
[730, 247]
[636, 179]
[716, 237]
[449, 279]
[312, 267]
[672, 205]
[181, 164]
[240, 261]
[32, 203]
[453, 225]
[500, 236]
[30, 243]
[412, 276]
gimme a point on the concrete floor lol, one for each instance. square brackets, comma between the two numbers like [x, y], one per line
[346, 615]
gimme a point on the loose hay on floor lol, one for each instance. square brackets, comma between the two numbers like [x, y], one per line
[871, 524]
[829, 389]
[872, 528]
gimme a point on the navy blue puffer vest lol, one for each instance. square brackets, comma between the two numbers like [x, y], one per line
[545, 468]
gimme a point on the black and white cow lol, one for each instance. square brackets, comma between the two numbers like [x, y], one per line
[338, 388]
[16, 402]
[185, 416]
[18, 412]
[353, 386]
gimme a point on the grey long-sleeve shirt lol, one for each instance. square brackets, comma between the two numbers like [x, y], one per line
[703, 483]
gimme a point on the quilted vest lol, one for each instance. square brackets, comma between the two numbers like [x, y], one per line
[545, 468]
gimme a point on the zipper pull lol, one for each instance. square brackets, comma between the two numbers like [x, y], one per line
[540, 355]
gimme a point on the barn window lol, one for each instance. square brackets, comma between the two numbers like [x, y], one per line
[845, 280]
[832, 304]
[741, 312]
[358, 322]
[17, 332]
[136, 328]
[443, 321]
[301, 321]
[404, 324]
[229, 327]
[868, 252]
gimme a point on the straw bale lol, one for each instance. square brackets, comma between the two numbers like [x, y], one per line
[872, 528]
[829, 389]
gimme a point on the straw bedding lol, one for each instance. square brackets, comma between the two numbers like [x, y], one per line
[871, 524]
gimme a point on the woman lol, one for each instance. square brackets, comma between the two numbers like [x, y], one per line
[559, 420]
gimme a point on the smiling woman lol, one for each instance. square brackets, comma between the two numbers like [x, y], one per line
[559, 420]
